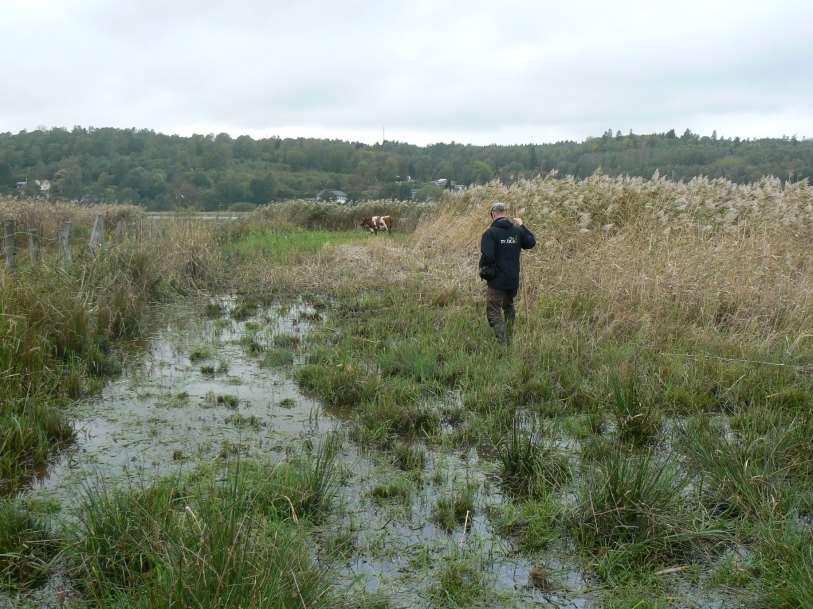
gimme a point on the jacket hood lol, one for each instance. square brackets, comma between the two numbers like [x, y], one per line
[502, 223]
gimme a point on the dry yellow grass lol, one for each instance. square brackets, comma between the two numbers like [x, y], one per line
[188, 250]
[184, 249]
[49, 216]
[658, 255]
[561, 209]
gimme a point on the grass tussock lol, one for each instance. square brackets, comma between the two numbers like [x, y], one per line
[462, 582]
[784, 567]
[633, 512]
[408, 456]
[277, 358]
[637, 418]
[28, 546]
[533, 524]
[200, 354]
[399, 487]
[455, 508]
[529, 465]
[759, 469]
[206, 541]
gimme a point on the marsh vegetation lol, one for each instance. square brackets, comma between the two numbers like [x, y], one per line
[644, 442]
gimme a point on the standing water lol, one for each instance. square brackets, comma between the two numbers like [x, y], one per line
[200, 393]
[193, 397]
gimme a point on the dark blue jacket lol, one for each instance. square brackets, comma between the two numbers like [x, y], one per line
[499, 253]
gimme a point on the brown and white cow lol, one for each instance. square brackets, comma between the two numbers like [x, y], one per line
[377, 223]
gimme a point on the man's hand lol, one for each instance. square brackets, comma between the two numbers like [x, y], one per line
[518, 221]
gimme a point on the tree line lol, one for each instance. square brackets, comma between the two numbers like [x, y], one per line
[214, 171]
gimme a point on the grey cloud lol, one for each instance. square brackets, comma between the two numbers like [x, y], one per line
[432, 70]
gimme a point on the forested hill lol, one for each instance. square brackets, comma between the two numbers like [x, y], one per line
[168, 171]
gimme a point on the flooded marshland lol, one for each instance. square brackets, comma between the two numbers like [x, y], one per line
[220, 390]
[661, 460]
[193, 396]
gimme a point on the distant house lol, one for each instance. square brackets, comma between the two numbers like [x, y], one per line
[440, 182]
[332, 196]
[43, 186]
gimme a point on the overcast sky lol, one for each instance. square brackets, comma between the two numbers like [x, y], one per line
[427, 70]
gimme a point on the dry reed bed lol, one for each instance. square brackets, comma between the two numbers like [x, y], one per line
[334, 216]
[376, 263]
[182, 250]
[49, 216]
[187, 251]
[658, 255]
[610, 204]
[749, 276]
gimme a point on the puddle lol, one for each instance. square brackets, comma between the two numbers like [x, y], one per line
[168, 412]
[399, 550]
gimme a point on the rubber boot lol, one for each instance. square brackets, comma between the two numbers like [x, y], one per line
[510, 317]
[501, 332]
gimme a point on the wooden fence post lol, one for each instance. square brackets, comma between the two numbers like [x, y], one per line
[34, 245]
[10, 243]
[97, 234]
[121, 226]
[65, 241]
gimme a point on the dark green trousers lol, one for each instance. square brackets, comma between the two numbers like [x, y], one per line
[500, 312]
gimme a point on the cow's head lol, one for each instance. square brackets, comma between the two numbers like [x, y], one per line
[367, 222]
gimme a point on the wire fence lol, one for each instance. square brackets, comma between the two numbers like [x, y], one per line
[30, 243]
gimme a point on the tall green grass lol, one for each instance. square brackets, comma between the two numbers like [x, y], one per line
[57, 329]
[236, 536]
[232, 541]
[529, 465]
[28, 545]
[634, 511]
[289, 245]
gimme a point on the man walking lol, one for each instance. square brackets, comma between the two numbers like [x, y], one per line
[500, 248]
